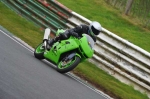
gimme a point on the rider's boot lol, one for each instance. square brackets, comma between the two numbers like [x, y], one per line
[44, 43]
[52, 41]
[50, 44]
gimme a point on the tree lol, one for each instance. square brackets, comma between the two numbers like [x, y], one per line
[128, 6]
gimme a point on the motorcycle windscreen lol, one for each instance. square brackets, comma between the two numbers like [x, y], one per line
[87, 45]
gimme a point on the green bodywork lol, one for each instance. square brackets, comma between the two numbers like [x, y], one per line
[59, 31]
[60, 48]
[80, 46]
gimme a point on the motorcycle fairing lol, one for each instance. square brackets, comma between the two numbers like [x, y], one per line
[60, 48]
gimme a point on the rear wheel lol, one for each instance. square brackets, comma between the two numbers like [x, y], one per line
[68, 65]
[39, 52]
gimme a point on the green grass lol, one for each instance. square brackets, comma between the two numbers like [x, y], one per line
[22, 28]
[111, 19]
[106, 83]
[31, 34]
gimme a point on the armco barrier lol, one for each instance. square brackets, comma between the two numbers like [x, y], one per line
[120, 58]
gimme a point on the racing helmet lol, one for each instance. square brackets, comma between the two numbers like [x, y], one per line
[95, 28]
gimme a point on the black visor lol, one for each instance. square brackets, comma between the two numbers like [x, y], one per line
[96, 32]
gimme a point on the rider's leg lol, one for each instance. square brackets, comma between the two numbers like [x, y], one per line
[62, 36]
[54, 40]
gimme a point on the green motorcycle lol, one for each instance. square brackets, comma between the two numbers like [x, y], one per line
[66, 54]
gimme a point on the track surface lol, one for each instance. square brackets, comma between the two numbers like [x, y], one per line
[24, 77]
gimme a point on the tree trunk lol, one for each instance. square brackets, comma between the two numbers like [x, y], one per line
[128, 6]
[114, 2]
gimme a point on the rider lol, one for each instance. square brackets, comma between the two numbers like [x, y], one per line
[93, 30]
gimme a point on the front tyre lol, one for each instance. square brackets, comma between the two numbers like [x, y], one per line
[39, 52]
[66, 66]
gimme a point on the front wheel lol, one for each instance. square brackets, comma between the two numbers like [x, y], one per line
[68, 65]
[39, 52]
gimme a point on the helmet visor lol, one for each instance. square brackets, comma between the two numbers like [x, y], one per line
[95, 31]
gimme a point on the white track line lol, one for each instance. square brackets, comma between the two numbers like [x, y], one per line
[26, 46]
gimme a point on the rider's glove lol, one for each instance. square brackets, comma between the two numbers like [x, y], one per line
[74, 34]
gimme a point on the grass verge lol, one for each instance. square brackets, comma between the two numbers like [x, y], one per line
[32, 35]
[112, 19]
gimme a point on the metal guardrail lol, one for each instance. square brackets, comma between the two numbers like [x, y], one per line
[120, 58]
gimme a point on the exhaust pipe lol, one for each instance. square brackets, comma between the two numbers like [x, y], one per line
[46, 34]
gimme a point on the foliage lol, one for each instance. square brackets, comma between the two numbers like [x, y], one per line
[140, 9]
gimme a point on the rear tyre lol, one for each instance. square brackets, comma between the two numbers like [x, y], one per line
[39, 52]
[66, 66]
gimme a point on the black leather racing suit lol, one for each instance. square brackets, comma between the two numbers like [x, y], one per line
[77, 31]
